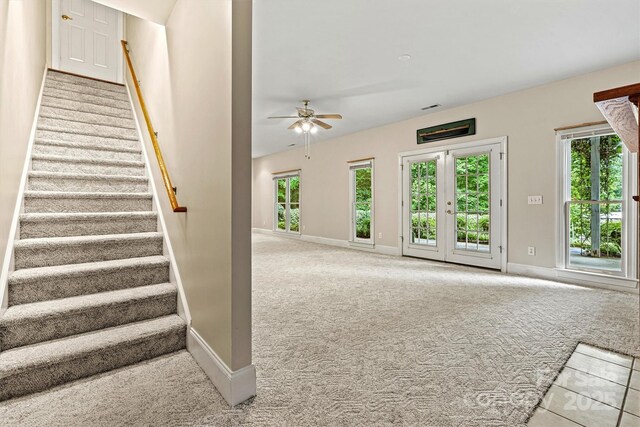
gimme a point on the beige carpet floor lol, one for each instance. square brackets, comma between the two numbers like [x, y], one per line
[343, 337]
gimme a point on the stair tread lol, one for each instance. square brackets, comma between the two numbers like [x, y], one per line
[85, 117]
[43, 309]
[85, 107]
[52, 133]
[85, 216]
[69, 159]
[86, 145]
[66, 77]
[46, 353]
[45, 120]
[89, 132]
[86, 176]
[79, 240]
[86, 195]
[84, 269]
[70, 86]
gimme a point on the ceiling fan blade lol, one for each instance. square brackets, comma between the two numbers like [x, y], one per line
[295, 124]
[283, 117]
[322, 124]
[328, 116]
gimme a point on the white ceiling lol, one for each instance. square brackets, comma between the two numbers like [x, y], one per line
[343, 55]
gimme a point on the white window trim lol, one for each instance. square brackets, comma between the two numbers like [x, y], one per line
[352, 189]
[628, 277]
[275, 178]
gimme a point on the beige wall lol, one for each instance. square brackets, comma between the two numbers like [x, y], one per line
[527, 117]
[186, 76]
[22, 61]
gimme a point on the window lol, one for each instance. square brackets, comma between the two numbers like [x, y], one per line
[597, 218]
[361, 178]
[287, 203]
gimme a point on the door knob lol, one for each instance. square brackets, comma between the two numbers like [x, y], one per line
[449, 212]
[67, 18]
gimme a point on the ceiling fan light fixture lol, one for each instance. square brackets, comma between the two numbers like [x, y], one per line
[314, 129]
[306, 126]
[298, 129]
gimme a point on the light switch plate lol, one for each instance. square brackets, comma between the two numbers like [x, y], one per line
[534, 200]
[531, 250]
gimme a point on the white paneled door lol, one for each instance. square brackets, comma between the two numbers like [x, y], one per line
[452, 205]
[89, 39]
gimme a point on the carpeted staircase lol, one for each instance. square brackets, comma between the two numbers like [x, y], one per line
[90, 291]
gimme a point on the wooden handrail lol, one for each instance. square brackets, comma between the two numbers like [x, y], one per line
[171, 192]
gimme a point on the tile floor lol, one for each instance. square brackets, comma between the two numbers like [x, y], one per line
[596, 388]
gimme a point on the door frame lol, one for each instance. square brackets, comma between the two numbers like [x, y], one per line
[55, 40]
[444, 146]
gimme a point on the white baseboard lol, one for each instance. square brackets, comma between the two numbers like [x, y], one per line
[580, 278]
[234, 386]
[386, 250]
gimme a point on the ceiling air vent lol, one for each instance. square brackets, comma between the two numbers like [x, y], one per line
[447, 131]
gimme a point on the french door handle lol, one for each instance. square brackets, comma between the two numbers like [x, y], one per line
[67, 18]
[449, 211]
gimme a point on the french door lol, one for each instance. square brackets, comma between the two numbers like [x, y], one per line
[286, 213]
[452, 205]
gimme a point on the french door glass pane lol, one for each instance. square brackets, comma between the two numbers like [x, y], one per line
[423, 202]
[473, 216]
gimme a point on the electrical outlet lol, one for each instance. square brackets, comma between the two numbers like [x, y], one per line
[531, 250]
[534, 200]
[379, 235]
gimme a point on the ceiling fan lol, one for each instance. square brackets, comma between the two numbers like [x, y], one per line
[307, 119]
[308, 122]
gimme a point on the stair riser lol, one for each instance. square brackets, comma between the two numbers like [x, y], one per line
[73, 105]
[86, 168]
[50, 288]
[58, 125]
[86, 185]
[98, 119]
[91, 99]
[50, 255]
[32, 331]
[105, 359]
[57, 150]
[88, 227]
[68, 86]
[48, 205]
[88, 139]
